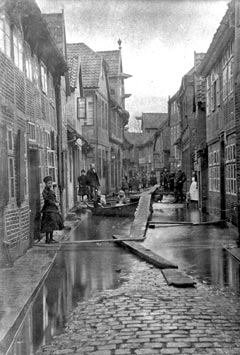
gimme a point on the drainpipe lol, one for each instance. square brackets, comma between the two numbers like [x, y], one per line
[59, 139]
[237, 105]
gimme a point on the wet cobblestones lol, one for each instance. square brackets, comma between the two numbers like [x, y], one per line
[144, 316]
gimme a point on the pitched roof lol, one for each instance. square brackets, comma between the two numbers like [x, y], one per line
[113, 59]
[90, 64]
[153, 120]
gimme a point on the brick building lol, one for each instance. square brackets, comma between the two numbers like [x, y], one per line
[174, 119]
[31, 68]
[217, 69]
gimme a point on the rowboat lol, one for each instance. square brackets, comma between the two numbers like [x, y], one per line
[125, 210]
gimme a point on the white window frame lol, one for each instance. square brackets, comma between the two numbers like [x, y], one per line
[35, 65]
[51, 162]
[18, 48]
[44, 78]
[5, 35]
[89, 110]
[214, 170]
[31, 129]
[28, 62]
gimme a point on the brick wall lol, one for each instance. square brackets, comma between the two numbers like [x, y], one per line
[20, 101]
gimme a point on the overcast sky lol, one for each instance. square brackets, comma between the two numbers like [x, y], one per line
[159, 38]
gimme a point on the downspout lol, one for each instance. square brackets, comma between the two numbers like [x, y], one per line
[237, 105]
[59, 138]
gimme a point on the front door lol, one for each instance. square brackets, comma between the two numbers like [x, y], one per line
[34, 194]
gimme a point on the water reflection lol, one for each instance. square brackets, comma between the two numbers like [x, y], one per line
[78, 272]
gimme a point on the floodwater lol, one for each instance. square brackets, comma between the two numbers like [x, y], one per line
[82, 269]
[79, 271]
[199, 250]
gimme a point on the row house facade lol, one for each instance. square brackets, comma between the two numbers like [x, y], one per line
[150, 124]
[186, 111]
[32, 68]
[217, 68]
[118, 115]
[161, 148]
[101, 111]
[174, 120]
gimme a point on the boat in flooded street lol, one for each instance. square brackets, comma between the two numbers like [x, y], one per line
[117, 210]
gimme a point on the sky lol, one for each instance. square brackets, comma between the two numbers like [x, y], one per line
[159, 38]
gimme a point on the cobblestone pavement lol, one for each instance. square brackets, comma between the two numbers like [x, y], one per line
[144, 316]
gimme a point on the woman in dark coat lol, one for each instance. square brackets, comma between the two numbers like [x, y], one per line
[83, 182]
[51, 218]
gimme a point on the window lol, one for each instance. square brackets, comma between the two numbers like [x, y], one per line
[18, 49]
[90, 110]
[5, 35]
[11, 176]
[47, 140]
[31, 130]
[214, 171]
[44, 78]
[35, 65]
[227, 68]
[230, 161]
[51, 164]
[10, 141]
[81, 108]
[28, 63]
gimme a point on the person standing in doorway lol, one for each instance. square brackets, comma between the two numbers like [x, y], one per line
[51, 218]
[93, 181]
[180, 178]
[193, 192]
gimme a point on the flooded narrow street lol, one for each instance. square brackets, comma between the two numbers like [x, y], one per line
[82, 269]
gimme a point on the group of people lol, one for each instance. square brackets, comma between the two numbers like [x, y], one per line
[88, 183]
[89, 186]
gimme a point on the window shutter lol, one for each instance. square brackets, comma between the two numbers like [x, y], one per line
[4, 194]
[20, 166]
[218, 91]
[81, 108]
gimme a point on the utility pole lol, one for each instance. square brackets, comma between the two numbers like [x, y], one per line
[237, 104]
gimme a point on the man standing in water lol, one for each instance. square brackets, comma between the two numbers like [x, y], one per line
[94, 183]
[180, 178]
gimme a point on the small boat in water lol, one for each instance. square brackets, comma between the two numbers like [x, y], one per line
[117, 210]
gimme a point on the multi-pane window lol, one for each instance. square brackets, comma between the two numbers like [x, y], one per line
[28, 63]
[227, 68]
[11, 177]
[90, 110]
[25, 167]
[214, 171]
[18, 49]
[44, 78]
[5, 35]
[35, 65]
[230, 160]
[31, 130]
[11, 165]
[51, 164]
[213, 92]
